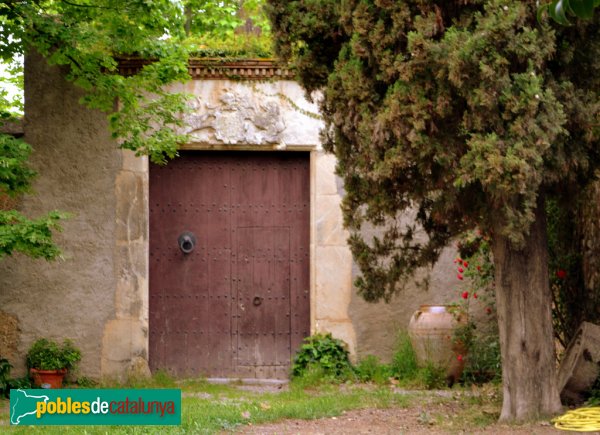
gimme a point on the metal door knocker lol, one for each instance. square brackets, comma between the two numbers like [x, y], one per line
[187, 242]
[257, 301]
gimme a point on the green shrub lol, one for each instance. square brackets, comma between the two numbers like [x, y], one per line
[432, 376]
[323, 351]
[5, 368]
[46, 354]
[404, 362]
[483, 361]
[23, 383]
[370, 369]
[7, 383]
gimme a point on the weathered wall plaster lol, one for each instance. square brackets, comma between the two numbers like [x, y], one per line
[77, 163]
[125, 338]
[377, 324]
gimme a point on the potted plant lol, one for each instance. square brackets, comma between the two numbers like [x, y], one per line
[48, 362]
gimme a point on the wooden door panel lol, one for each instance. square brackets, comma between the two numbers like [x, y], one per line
[263, 296]
[250, 214]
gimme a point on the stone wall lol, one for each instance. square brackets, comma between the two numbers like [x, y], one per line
[125, 336]
[98, 293]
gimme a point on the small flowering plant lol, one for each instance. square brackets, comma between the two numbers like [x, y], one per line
[475, 271]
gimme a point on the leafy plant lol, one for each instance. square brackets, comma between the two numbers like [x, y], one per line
[482, 344]
[23, 382]
[370, 369]
[404, 362]
[483, 362]
[46, 354]
[5, 368]
[324, 351]
[560, 10]
[85, 382]
[7, 383]
[432, 376]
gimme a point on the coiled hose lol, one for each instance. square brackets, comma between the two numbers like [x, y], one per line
[579, 420]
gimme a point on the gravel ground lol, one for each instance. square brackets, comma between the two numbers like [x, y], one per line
[388, 421]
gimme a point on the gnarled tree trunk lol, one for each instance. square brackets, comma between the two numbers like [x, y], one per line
[589, 224]
[525, 324]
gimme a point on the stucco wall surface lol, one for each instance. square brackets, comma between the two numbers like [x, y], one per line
[77, 162]
[377, 324]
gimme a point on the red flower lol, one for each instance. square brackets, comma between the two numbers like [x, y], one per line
[488, 310]
[479, 268]
[459, 357]
[459, 276]
[458, 260]
[461, 270]
[475, 295]
[466, 263]
[465, 295]
[561, 274]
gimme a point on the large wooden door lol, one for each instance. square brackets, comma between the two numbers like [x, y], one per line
[238, 304]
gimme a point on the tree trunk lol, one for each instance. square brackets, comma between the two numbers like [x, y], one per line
[524, 304]
[589, 227]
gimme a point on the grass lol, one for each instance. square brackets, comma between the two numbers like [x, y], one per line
[210, 408]
[465, 409]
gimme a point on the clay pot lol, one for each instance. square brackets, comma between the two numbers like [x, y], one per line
[431, 331]
[48, 378]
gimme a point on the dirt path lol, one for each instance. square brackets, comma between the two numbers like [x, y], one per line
[412, 420]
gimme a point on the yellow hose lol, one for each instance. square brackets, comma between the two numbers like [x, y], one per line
[579, 420]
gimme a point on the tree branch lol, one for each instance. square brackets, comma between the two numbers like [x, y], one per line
[85, 6]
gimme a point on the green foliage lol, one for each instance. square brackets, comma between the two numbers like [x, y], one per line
[88, 38]
[235, 47]
[463, 113]
[405, 369]
[23, 383]
[432, 376]
[18, 233]
[247, 33]
[14, 174]
[559, 10]
[32, 237]
[5, 368]
[11, 106]
[210, 17]
[315, 376]
[85, 382]
[404, 362]
[573, 301]
[483, 361]
[47, 354]
[325, 352]
[7, 383]
[309, 34]
[481, 340]
[370, 369]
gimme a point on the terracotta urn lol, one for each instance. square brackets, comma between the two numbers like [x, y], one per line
[432, 335]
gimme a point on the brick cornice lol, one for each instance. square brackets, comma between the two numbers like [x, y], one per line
[215, 68]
